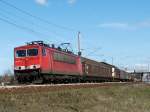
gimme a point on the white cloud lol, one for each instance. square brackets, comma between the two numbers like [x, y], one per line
[125, 26]
[141, 67]
[41, 2]
[114, 25]
[144, 24]
[45, 2]
[71, 2]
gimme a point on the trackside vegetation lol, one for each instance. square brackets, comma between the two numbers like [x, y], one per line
[120, 98]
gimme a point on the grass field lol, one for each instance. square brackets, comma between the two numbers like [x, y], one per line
[127, 98]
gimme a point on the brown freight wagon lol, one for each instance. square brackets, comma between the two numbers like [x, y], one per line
[115, 72]
[96, 70]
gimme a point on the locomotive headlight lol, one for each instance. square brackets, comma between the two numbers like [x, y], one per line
[20, 68]
[33, 67]
[27, 68]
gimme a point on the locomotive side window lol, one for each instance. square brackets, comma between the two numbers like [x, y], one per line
[43, 52]
[32, 52]
[64, 58]
[21, 53]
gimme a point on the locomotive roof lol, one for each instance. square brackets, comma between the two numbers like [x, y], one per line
[108, 64]
[41, 43]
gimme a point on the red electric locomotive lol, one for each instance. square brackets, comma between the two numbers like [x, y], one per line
[39, 61]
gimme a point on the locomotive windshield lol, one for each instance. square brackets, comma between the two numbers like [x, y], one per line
[21, 53]
[32, 52]
[29, 52]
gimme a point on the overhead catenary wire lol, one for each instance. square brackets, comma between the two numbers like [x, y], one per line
[22, 27]
[29, 22]
[13, 22]
[93, 52]
[29, 29]
[37, 17]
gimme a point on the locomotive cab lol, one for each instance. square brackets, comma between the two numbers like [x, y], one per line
[27, 61]
[27, 58]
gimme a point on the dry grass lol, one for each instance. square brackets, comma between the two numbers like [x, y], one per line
[133, 98]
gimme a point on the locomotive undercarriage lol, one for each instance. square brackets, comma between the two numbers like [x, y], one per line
[28, 76]
[34, 76]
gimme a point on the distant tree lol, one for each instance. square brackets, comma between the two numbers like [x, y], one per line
[8, 72]
[7, 77]
[0, 79]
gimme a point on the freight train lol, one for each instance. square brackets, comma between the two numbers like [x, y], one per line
[40, 62]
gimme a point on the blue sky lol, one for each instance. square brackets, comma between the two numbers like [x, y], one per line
[112, 28]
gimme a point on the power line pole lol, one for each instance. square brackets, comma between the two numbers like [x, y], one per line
[112, 60]
[79, 47]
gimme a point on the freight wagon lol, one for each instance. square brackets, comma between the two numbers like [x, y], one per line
[96, 71]
[125, 76]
